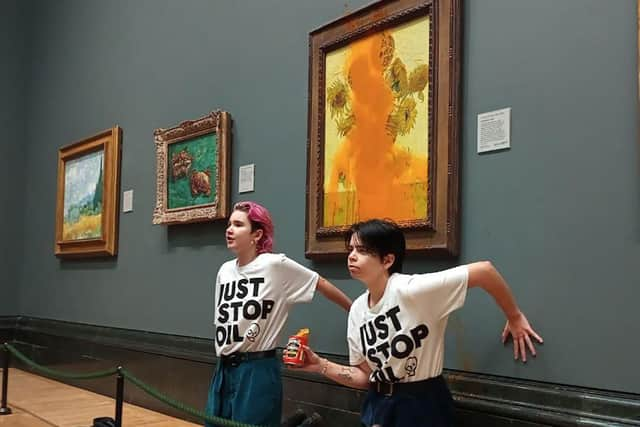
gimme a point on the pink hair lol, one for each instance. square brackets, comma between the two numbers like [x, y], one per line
[260, 219]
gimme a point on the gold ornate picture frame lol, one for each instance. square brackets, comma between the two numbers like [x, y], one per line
[383, 130]
[193, 170]
[87, 196]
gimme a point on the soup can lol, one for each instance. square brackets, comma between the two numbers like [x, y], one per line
[293, 352]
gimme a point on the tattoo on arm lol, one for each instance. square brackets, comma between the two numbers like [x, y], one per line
[346, 373]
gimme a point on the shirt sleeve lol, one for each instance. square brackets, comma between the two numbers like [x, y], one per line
[216, 291]
[353, 339]
[216, 284]
[299, 282]
[440, 293]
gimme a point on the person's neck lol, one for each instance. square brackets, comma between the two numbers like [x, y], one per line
[377, 288]
[246, 257]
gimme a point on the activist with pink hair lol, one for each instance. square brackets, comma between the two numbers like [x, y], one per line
[253, 295]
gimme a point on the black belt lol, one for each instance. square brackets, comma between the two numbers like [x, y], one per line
[415, 387]
[234, 359]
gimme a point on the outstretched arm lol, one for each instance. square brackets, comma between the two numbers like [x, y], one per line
[484, 275]
[350, 376]
[333, 294]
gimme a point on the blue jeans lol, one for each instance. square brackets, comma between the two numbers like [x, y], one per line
[432, 406]
[250, 392]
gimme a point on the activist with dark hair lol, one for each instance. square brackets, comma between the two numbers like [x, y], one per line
[396, 329]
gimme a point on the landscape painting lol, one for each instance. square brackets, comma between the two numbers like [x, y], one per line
[83, 188]
[87, 196]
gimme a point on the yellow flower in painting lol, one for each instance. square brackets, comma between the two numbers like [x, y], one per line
[345, 124]
[402, 118]
[397, 77]
[337, 98]
[419, 78]
[392, 125]
[387, 49]
[408, 114]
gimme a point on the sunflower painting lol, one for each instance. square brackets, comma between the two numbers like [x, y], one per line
[376, 127]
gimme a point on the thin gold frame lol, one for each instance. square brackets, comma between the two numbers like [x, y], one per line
[107, 244]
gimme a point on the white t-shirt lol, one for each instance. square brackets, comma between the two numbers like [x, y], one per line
[252, 302]
[402, 337]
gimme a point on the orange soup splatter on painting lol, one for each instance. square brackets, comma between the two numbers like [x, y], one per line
[376, 127]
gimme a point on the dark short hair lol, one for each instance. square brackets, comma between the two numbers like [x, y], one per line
[381, 237]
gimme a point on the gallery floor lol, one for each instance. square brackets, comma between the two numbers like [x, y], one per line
[40, 402]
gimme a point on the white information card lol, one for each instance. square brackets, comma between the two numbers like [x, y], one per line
[245, 181]
[494, 130]
[127, 201]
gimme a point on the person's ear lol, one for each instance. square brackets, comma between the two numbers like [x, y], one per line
[257, 235]
[388, 260]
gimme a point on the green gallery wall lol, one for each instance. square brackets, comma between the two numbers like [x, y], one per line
[558, 213]
[13, 57]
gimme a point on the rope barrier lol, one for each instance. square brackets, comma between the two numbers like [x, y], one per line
[221, 422]
[59, 374]
[179, 405]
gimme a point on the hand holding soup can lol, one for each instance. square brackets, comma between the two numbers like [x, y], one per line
[293, 352]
